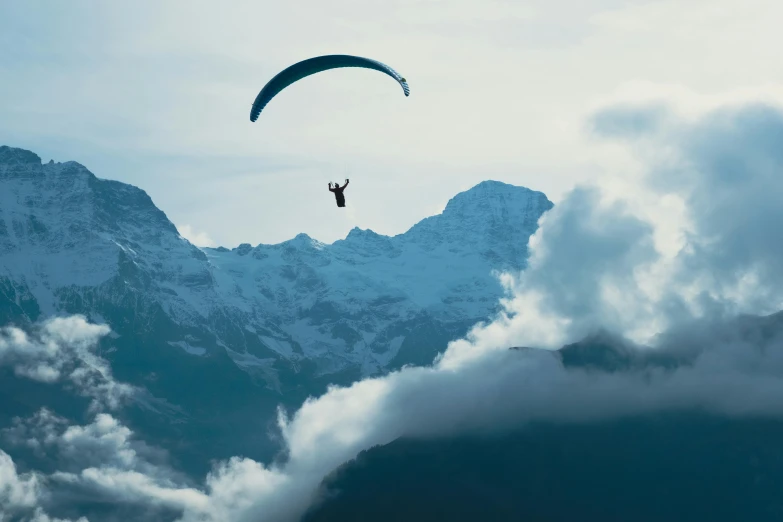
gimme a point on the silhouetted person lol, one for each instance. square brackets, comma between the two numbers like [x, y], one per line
[338, 193]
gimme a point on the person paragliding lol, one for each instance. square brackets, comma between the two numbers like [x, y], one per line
[315, 65]
[338, 192]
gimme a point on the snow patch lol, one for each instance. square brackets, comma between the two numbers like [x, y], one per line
[193, 350]
[282, 347]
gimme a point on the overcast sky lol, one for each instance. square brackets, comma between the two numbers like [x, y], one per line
[157, 94]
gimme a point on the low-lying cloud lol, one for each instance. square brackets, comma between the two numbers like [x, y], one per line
[16, 491]
[62, 349]
[102, 460]
[657, 280]
[21, 494]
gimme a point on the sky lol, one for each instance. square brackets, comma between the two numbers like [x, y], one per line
[157, 94]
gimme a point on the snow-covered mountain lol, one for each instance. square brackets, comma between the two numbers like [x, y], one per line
[73, 243]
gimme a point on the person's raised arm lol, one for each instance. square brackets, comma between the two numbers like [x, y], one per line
[346, 183]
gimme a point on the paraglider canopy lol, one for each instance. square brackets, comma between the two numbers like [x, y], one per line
[315, 65]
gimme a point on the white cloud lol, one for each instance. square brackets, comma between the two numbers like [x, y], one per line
[36, 432]
[200, 239]
[39, 515]
[21, 494]
[105, 442]
[103, 459]
[62, 349]
[16, 491]
[122, 485]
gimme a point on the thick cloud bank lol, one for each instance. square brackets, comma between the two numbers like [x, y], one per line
[667, 264]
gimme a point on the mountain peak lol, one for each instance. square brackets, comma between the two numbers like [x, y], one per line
[58, 193]
[492, 217]
[15, 156]
[359, 233]
[243, 249]
[490, 195]
[301, 240]
[490, 185]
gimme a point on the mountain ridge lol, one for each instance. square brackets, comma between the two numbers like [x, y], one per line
[287, 318]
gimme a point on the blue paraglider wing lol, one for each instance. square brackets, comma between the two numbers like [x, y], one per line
[315, 65]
